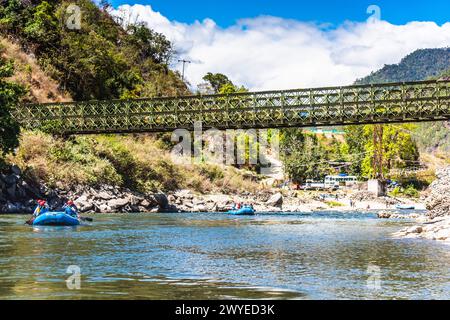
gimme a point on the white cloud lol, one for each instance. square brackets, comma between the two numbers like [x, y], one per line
[268, 53]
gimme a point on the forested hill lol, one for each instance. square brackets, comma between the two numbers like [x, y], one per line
[100, 59]
[418, 65]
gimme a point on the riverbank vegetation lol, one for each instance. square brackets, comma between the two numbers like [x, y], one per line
[312, 156]
[133, 162]
[10, 94]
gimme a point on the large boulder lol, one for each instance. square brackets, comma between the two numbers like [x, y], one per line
[11, 191]
[104, 208]
[275, 200]
[115, 204]
[438, 201]
[83, 204]
[16, 170]
[104, 195]
[162, 200]
[200, 208]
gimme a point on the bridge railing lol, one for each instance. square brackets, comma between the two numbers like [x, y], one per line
[380, 103]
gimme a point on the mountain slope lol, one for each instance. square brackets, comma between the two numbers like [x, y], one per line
[422, 64]
[39, 86]
[418, 65]
[97, 59]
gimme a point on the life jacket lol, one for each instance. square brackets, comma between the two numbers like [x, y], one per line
[69, 210]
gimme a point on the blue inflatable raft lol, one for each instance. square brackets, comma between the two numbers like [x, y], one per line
[245, 211]
[405, 207]
[55, 219]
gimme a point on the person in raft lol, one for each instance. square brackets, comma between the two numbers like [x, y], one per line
[71, 209]
[41, 208]
[236, 206]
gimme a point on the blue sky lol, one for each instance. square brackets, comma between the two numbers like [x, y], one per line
[226, 13]
[283, 44]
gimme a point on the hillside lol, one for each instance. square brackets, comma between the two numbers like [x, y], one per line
[97, 59]
[418, 65]
[103, 60]
[432, 137]
[39, 86]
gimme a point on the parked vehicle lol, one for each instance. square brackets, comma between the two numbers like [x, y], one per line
[313, 185]
[342, 180]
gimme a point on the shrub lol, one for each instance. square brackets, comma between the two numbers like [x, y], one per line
[411, 191]
[333, 204]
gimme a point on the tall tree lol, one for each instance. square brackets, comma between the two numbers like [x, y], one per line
[149, 43]
[10, 94]
[303, 156]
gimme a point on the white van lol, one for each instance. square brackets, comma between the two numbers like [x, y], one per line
[340, 180]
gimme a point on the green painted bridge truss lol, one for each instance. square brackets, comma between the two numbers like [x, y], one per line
[362, 104]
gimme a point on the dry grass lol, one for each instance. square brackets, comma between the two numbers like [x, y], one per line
[151, 162]
[41, 88]
[135, 162]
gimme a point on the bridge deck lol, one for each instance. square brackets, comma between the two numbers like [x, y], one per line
[362, 104]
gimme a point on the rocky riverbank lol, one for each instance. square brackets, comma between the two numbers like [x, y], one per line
[19, 196]
[437, 224]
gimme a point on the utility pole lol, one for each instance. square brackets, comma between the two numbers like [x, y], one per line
[184, 62]
[378, 151]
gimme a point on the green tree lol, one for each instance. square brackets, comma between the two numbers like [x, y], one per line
[303, 156]
[229, 88]
[42, 28]
[399, 148]
[149, 44]
[10, 94]
[355, 147]
[103, 60]
[217, 81]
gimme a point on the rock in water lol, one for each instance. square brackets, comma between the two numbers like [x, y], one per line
[103, 208]
[162, 200]
[384, 215]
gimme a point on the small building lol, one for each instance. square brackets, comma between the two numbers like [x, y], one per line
[377, 187]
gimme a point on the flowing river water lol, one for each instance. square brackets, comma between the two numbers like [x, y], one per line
[324, 255]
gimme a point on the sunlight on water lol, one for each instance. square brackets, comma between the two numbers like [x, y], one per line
[205, 256]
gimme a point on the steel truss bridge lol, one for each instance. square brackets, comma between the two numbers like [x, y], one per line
[330, 106]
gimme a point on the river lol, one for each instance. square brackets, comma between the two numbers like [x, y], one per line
[323, 255]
